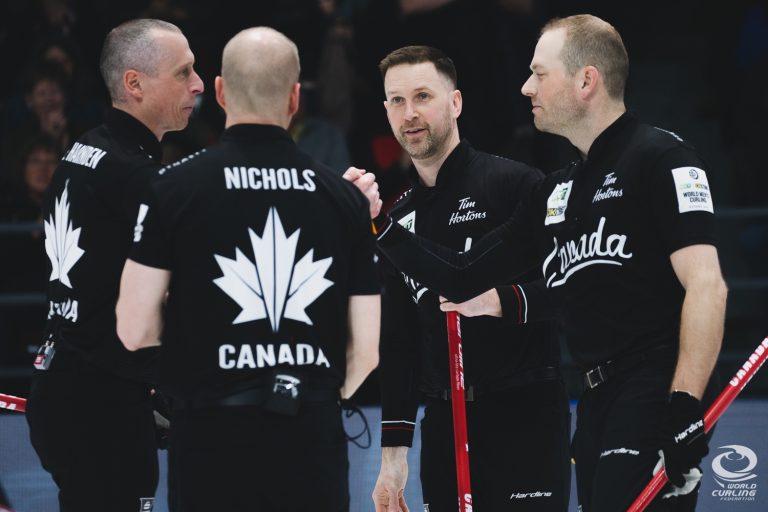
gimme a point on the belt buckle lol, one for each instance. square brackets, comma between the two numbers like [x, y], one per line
[594, 377]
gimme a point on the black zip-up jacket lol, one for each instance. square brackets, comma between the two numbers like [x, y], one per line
[90, 211]
[603, 230]
[474, 193]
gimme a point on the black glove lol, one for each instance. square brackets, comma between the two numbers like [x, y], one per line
[686, 442]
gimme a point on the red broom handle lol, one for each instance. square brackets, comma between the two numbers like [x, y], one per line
[13, 403]
[461, 445]
[718, 407]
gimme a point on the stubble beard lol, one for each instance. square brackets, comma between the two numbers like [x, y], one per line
[561, 118]
[432, 143]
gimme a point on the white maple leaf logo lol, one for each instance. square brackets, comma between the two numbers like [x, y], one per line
[61, 240]
[272, 286]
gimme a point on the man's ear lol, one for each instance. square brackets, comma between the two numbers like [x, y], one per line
[295, 99]
[218, 85]
[132, 84]
[457, 101]
[589, 78]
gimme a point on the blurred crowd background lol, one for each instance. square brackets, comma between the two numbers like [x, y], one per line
[699, 69]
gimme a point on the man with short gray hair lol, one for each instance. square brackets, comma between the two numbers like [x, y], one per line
[90, 407]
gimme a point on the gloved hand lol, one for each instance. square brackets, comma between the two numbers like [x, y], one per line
[685, 444]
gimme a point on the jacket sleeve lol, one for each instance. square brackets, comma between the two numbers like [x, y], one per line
[399, 361]
[526, 303]
[498, 257]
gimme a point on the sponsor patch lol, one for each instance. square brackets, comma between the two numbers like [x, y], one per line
[692, 189]
[466, 212]
[146, 504]
[409, 221]
[557, 203]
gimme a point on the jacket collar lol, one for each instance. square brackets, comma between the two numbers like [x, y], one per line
[130, 129]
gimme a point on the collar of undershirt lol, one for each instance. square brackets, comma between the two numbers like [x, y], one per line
[125, 126]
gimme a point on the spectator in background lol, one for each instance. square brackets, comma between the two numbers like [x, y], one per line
[84, 99]
[21, 203]
[45, 113]
[22, 256]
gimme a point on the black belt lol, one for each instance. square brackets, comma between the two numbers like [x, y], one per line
[604, 371]
[473, 391]
[255, 396]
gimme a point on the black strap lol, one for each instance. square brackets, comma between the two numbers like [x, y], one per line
[611, 368]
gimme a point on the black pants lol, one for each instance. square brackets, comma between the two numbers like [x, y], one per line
[618, 437]
[94, 433]
[518, 451]
[244, 459]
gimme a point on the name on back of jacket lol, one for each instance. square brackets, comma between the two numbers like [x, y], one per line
[268, 178]
[83, 154]
[465, 212]
[587, 250]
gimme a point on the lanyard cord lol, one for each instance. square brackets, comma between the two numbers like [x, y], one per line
[350, 409]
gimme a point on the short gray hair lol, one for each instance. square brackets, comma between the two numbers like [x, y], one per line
[131, 45]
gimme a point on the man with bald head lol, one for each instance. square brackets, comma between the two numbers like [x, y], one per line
[272, 309]
[90, 409]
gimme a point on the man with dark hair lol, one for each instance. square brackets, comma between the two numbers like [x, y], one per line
[272, 311]
[626, 241]
[511, 363]
[90, 410]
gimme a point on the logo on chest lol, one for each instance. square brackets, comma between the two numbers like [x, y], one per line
[465, 212]
[593, 249]
[607, 190]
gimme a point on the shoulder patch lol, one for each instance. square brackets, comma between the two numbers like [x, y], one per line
[692, 187]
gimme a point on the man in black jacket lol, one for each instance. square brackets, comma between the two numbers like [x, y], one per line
[90, 410]
[517, 409]
[272, 310]
[625, 239]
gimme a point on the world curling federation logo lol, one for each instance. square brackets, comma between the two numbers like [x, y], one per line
[733, 468]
